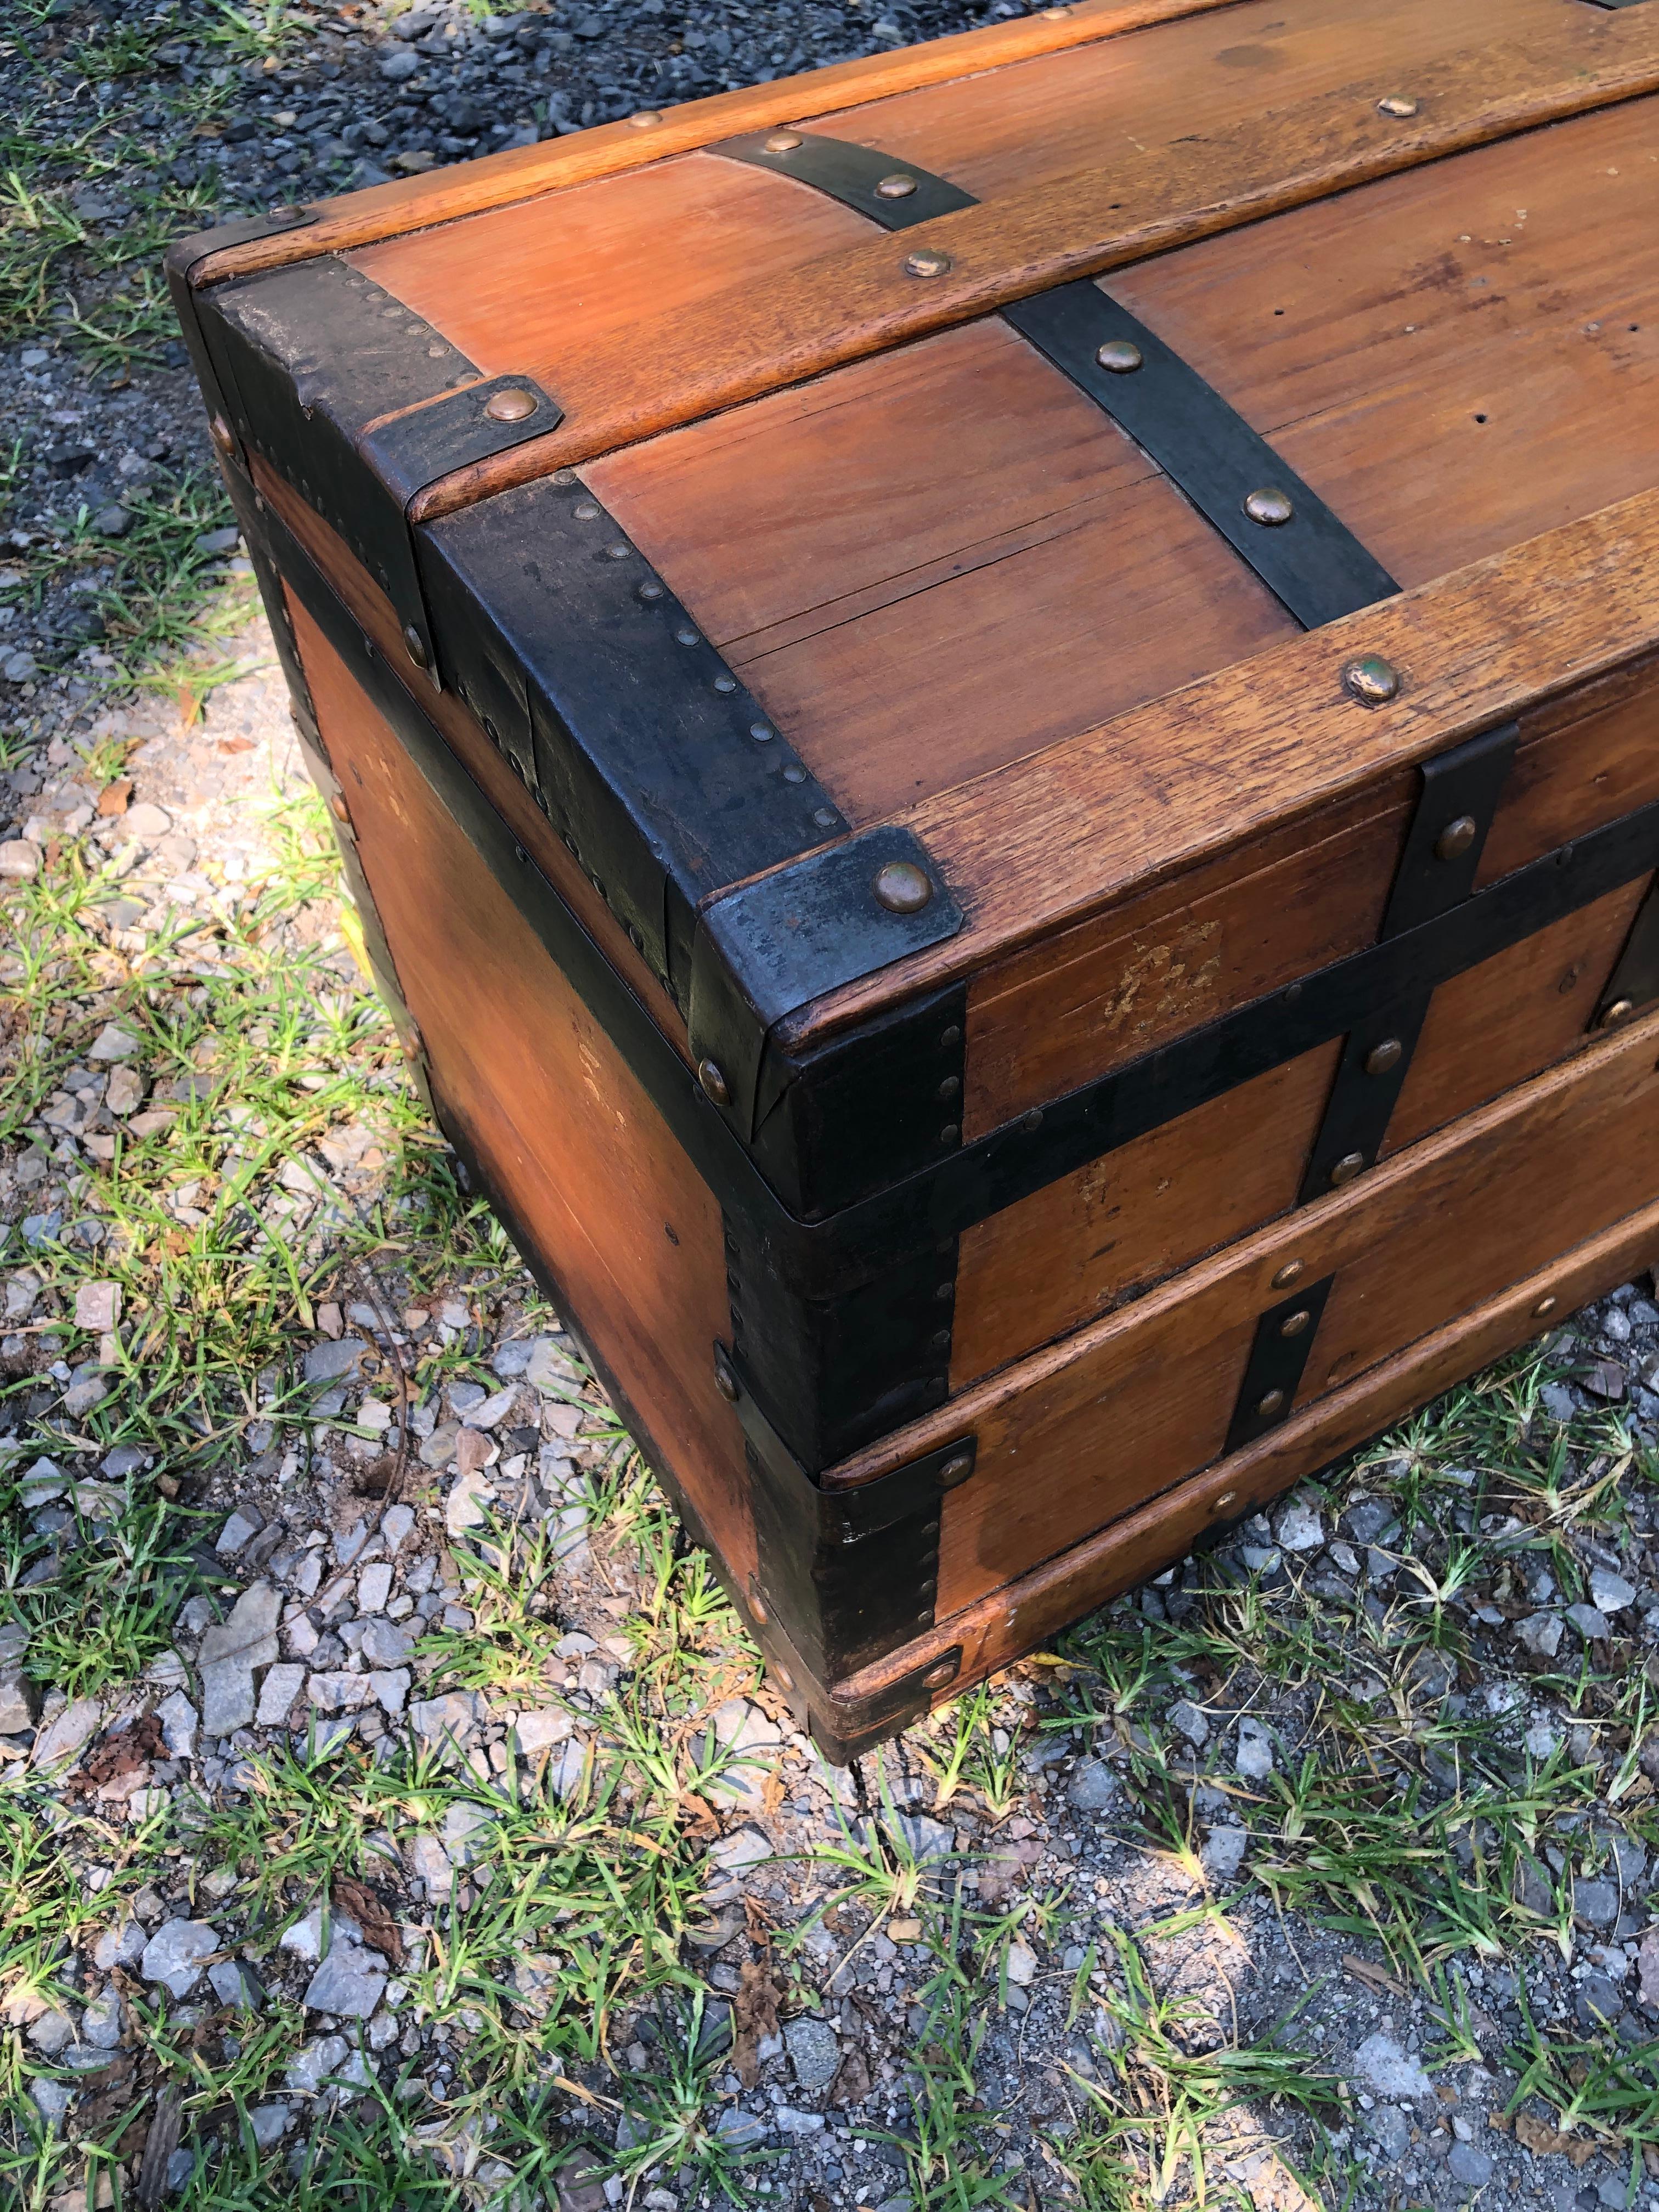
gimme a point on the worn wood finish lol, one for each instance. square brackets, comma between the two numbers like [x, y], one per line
[381, 211]
[1032, 1608]
[1554, 62]
[464, 734]
[1292, 899]
[559, 1124]
[821, 536]
[1122, 812]
[1084, 1431]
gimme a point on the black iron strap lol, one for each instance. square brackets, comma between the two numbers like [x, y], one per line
[1278, 1354]
[1305, 554]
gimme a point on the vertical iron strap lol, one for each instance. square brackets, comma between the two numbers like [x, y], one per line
[1304, 554]
[1278, 1357]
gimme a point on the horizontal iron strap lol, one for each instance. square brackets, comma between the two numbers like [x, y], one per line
[1306, 556]
[862, 1243]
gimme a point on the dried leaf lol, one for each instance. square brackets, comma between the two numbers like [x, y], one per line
[357, 1900]
[754, 2017]
[113, 798]
[1545, 2142]
[1374, 1978]
[116, 1755]
[852, 2084]
[700, 1813]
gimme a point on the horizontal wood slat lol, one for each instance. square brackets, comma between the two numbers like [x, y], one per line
[1555, 61]
[528, 171]
[1034, 1606]
[1115, 811]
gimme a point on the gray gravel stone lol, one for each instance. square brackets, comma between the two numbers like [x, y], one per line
[1469, 2167]
[101, 2023]
[1297, 1527]
[1597, 1902]
[1389, 2071]
[231, 1650]
[1540, 1633]
[1591, 1623]
[281, 1684]
[269, 2123]
[1390, 2131]
[62, 1738]
[175, 1954]
[1610, 1593]
[1254, 1756]
[386, 1644]
[348, 1983]
[119, 1946]
[814, 2051]
[1092, 1786]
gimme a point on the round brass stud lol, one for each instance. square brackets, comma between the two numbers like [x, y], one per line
[1350, 1165]
[221, 434]
[941, 1672]
[1545, 1306]
[1619, 1011]
[511, 405]
[726, 1381]
[1224, 1502]
[1055, 14]
[586, 510]
[902, 887]
[645, 118]
[896, 188]
[1121, 355]
[782, 142]
[1291, 1272]
[783, 1676]
[927, 261]
[1456, 839]
[1272, 1403]
[338, 809]
[1400, 104]
[758, 1606]
[713, 1082]
[955, 1469]
[1382, 1057]
[1269, 507]
[1371, 680]
[415, 647]
[1294, 1324]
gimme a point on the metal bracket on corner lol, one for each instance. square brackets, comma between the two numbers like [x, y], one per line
[184, 255]
[1436, 872]
[1634, 982]
[837, 914]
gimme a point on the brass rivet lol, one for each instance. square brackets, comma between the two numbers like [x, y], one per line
[1055, 14]
[1272, 1404]
[1456, 839]
[511, 405]
[941, 1672]
[1224, 1503]
[1120, 355]
[415, 647]
[784, 1679]
[1370, 678]
[902, 887]
[221, 434]
[927, 261]
[1545, 1306]
[1269, 507]
[761, 733]
[1291, 1272]
[1294, 1324]
[756, 1606]
[1350, 1165]
[645, 118]
[782, 142]
[896, 188]
[713, 1082]
[726, 683]
[585, 510]
[1619, 1011]
[1397, 104]
[650, 590]
[726, 1381]
[955, 1469]
[1382, 1057]
[338, 809]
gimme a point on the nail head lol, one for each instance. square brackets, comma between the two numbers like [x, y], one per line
[512, 405]
[1120, 355]
[712, 1079]
[1269, 507]
[1371, 679]
[902, 887]
[927, 261]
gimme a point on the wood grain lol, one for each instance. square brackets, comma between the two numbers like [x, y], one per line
[464, 734]
[1023, 1614]
[1121, 811]
[1547, 64]
[558, 1123]
[1084, 1431]
[381, 211]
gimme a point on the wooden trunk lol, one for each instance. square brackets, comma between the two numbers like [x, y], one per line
[994, 715]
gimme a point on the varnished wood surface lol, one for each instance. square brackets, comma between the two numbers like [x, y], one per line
[1082, 1432]
[1124, 811]
[1547, 63]
[609, 150]
[559, 1123]
[460, 730]
[1024, 1614]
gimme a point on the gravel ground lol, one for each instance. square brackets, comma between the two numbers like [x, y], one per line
[393, 1811]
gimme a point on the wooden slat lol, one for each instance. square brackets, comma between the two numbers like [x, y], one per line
[1025, 1613]
[616, 1212]
[1539, 62]
[387, 211]
[1119, 811]
[1083, 1432]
